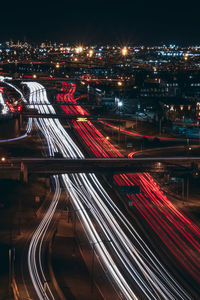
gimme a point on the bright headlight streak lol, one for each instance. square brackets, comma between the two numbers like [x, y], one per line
[149, 266]
[36, 238]
[5, 109]
[18, 91]
[29, 124]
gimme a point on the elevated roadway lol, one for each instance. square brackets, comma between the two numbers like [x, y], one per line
[173, 165]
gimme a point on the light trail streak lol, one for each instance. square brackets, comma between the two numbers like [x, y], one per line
[68, 97]
[5, 108]
[35, 249]
[29, 124]
[138, 135]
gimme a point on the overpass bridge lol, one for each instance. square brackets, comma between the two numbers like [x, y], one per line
[72, 117]
[178, 166]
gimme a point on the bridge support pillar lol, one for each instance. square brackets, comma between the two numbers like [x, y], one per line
[183, 189]
[20, 122]
[24, 173]
[187, 193]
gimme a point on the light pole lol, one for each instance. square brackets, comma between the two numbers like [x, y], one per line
[10, 271]
[119, 105]
[105, 139]
[92, 266]
[160, 126]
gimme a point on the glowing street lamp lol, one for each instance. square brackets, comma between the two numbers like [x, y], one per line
[119, 83]
[124, 51]
[79, 49]
[91, 52]
[186, 56]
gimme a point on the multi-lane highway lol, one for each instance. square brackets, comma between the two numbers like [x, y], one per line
[175, 230]
[133, 269]
[131, 266]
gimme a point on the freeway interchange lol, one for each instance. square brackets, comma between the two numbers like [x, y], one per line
[133, 268]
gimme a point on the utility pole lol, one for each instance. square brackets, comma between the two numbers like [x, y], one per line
[183, 189]
[93, 262]
[119, 134]
[187, 187]
[160, 126]
[10, 272]
[45, 290]
[92, 269]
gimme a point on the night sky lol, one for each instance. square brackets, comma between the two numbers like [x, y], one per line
[121, 22]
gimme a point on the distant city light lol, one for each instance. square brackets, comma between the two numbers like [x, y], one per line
[124, 51]
[19, 108]
[91, 52]
[79, 49]
[186, 56]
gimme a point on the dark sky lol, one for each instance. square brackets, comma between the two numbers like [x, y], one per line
[124, 22]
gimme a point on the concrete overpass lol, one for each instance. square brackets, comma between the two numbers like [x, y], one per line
[30, 114]
[178, 166]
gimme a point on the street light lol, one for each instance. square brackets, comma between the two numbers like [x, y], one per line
[91, 52]
[119, 104]
[93, 244]
[119, 83]
[79, 49]
[124, 51]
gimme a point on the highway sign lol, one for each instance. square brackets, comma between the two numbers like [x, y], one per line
[129, 189]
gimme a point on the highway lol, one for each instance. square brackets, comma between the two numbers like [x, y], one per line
[174, 229]
[68, 96]
[70, 149]
[35, 258]
[131, 266]
[150, 137]
[133, 269]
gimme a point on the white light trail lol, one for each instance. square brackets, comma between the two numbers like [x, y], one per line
[29, 124]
